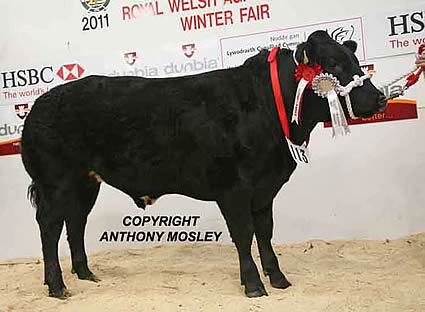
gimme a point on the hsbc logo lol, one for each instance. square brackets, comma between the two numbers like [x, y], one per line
[407, 23]
[70, 72]
[27, 77]
[34, 76]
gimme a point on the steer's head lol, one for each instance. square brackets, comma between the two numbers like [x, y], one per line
[340, 61]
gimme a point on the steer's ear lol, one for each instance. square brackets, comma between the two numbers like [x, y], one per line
[352, 45]
[304, 54]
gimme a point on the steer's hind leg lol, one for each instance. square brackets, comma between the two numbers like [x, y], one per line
[50, 218]
[236, 209]
[84, 196]
[263, 225]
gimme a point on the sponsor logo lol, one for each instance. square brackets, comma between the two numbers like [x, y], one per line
[27, 77]
[252, 49]
[22, 110]
[70, 72]
[172, 68]
[408, 23]
[191, 66]
[95, 5]
[7, 130]
[145, 71]
[130, 58]
[342, 33]
[189, 50]
[34, 76]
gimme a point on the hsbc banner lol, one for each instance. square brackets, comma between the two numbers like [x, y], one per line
[26, 84]
[395, 32]
[20, 87]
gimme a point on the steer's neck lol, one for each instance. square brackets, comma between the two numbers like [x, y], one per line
[262, 83]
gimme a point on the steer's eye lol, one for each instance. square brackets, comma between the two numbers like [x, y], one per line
[331, 62]
[333, 66]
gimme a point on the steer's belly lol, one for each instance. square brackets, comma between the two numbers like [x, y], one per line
[195, 174]
[200, 174]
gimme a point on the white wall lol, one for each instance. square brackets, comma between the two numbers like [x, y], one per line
[368, 185]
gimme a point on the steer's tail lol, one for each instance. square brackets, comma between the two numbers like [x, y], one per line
[33, 194]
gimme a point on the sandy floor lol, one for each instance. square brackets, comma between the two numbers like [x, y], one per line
[327, 276]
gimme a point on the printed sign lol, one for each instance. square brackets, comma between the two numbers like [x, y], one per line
[174, 60]
[235, 50]
[18, 85]
[394, 32]
[196, 16]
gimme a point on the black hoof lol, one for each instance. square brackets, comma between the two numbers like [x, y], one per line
[281, 284]
[60, 293]
[86, 275]
[255, 293]
[91, 277]
[279, 281]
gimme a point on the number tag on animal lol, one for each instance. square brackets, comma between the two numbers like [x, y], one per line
[299, 153]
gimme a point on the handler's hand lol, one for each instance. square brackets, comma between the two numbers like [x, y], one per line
[420, 61]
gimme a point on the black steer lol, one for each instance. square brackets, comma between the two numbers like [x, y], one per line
[214, 136]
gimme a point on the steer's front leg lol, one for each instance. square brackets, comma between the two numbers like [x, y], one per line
[263, 225]
[236, 209]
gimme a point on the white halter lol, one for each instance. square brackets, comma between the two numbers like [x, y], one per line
[345, 91]
[328, 86]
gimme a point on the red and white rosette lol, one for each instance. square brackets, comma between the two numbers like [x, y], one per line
[326, 85]
[304, 75]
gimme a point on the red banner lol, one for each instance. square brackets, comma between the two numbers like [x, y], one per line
[397, 109]
[10, 147]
